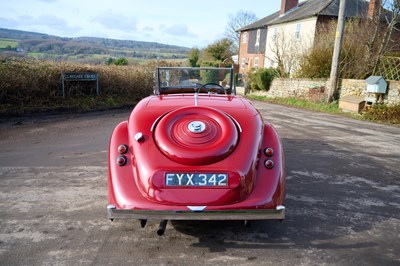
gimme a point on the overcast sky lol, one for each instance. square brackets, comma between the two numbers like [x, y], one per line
[186, 23]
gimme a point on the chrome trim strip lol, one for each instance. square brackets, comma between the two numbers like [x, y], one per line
[197, 208]
[280, 207]
[198, 68]
[155, 122]
[235, 121]
[196, 99]
[139, 136]
[278, 213]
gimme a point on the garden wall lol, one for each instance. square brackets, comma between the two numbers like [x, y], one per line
[301, 88]
[287, 88]
[358, 87]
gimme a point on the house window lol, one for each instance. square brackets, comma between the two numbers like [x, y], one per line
[297, 33]
[258, 37]
[256, 63]
[271, 63]
[274, 34]
[243, 63]
[244, 38]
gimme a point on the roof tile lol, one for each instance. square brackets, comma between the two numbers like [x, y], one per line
[311, 8]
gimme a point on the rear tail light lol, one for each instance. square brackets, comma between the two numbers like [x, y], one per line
[122, 149]
[121, 160]
[269, 164]
[269, 152]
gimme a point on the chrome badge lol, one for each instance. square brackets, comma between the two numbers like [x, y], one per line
[196, 126]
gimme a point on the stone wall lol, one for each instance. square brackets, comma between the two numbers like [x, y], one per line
[286, 88]
[301, 88]
[358, 87]
[393, 96]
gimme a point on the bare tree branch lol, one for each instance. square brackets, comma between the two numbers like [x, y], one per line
[286, 52]
[237, 21]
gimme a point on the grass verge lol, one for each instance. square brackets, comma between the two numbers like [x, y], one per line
[81, 104]
[332, 108]
[378, 113]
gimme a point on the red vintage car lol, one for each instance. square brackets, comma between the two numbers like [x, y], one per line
[195, 151]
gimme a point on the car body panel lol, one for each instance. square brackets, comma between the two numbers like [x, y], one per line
[166, 146]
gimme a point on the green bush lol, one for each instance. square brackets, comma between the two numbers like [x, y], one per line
[262, 78]
[194, 55]
[317, 63]
[209, 76]
[236, 78]
[118, 62]
[206, 63]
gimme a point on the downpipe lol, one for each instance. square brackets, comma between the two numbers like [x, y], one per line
[161, 227]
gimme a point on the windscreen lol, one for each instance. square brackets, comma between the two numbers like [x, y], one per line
[190, 80]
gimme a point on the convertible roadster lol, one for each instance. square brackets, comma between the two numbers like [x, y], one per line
[195, 151]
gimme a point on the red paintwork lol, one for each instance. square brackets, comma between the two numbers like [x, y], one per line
[215, 143]
[233, 144]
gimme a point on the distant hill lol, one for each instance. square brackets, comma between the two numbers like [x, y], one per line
[21, 35]
[89, 49]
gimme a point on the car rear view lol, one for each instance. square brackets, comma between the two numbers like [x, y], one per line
[195, 151]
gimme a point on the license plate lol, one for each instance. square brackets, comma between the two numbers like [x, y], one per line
[196, 179]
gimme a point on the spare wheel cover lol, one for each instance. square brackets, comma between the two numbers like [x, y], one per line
[196, 135]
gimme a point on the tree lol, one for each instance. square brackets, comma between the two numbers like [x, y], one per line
[355, 59]
[365, 43]
[121, 62]
[118, 62]
[235, 22]
[392, 19]
[219, 50]
[194, 55]
[286, 51]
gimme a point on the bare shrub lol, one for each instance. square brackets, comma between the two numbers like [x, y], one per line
[38, 83]
[357, 57]
[383, 113]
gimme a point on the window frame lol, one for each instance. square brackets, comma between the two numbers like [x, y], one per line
[274, 34]
[256, 62]
[297, 32]
[243, 63]
[258, 36]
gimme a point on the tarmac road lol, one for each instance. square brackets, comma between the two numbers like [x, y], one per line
[343, 198]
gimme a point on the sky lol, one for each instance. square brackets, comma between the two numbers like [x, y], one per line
[185, 23]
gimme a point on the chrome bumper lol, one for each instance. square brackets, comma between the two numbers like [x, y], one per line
[276, 214]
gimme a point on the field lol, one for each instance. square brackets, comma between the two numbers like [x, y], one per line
[4, 43]
[99, 58]
[84, 49]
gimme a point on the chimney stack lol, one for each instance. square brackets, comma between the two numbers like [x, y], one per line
[374, 6]
[287, 5]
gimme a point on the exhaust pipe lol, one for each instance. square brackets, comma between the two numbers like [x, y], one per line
[161, 227]
[143, 223]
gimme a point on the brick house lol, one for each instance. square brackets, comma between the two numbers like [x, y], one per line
[295, 23]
